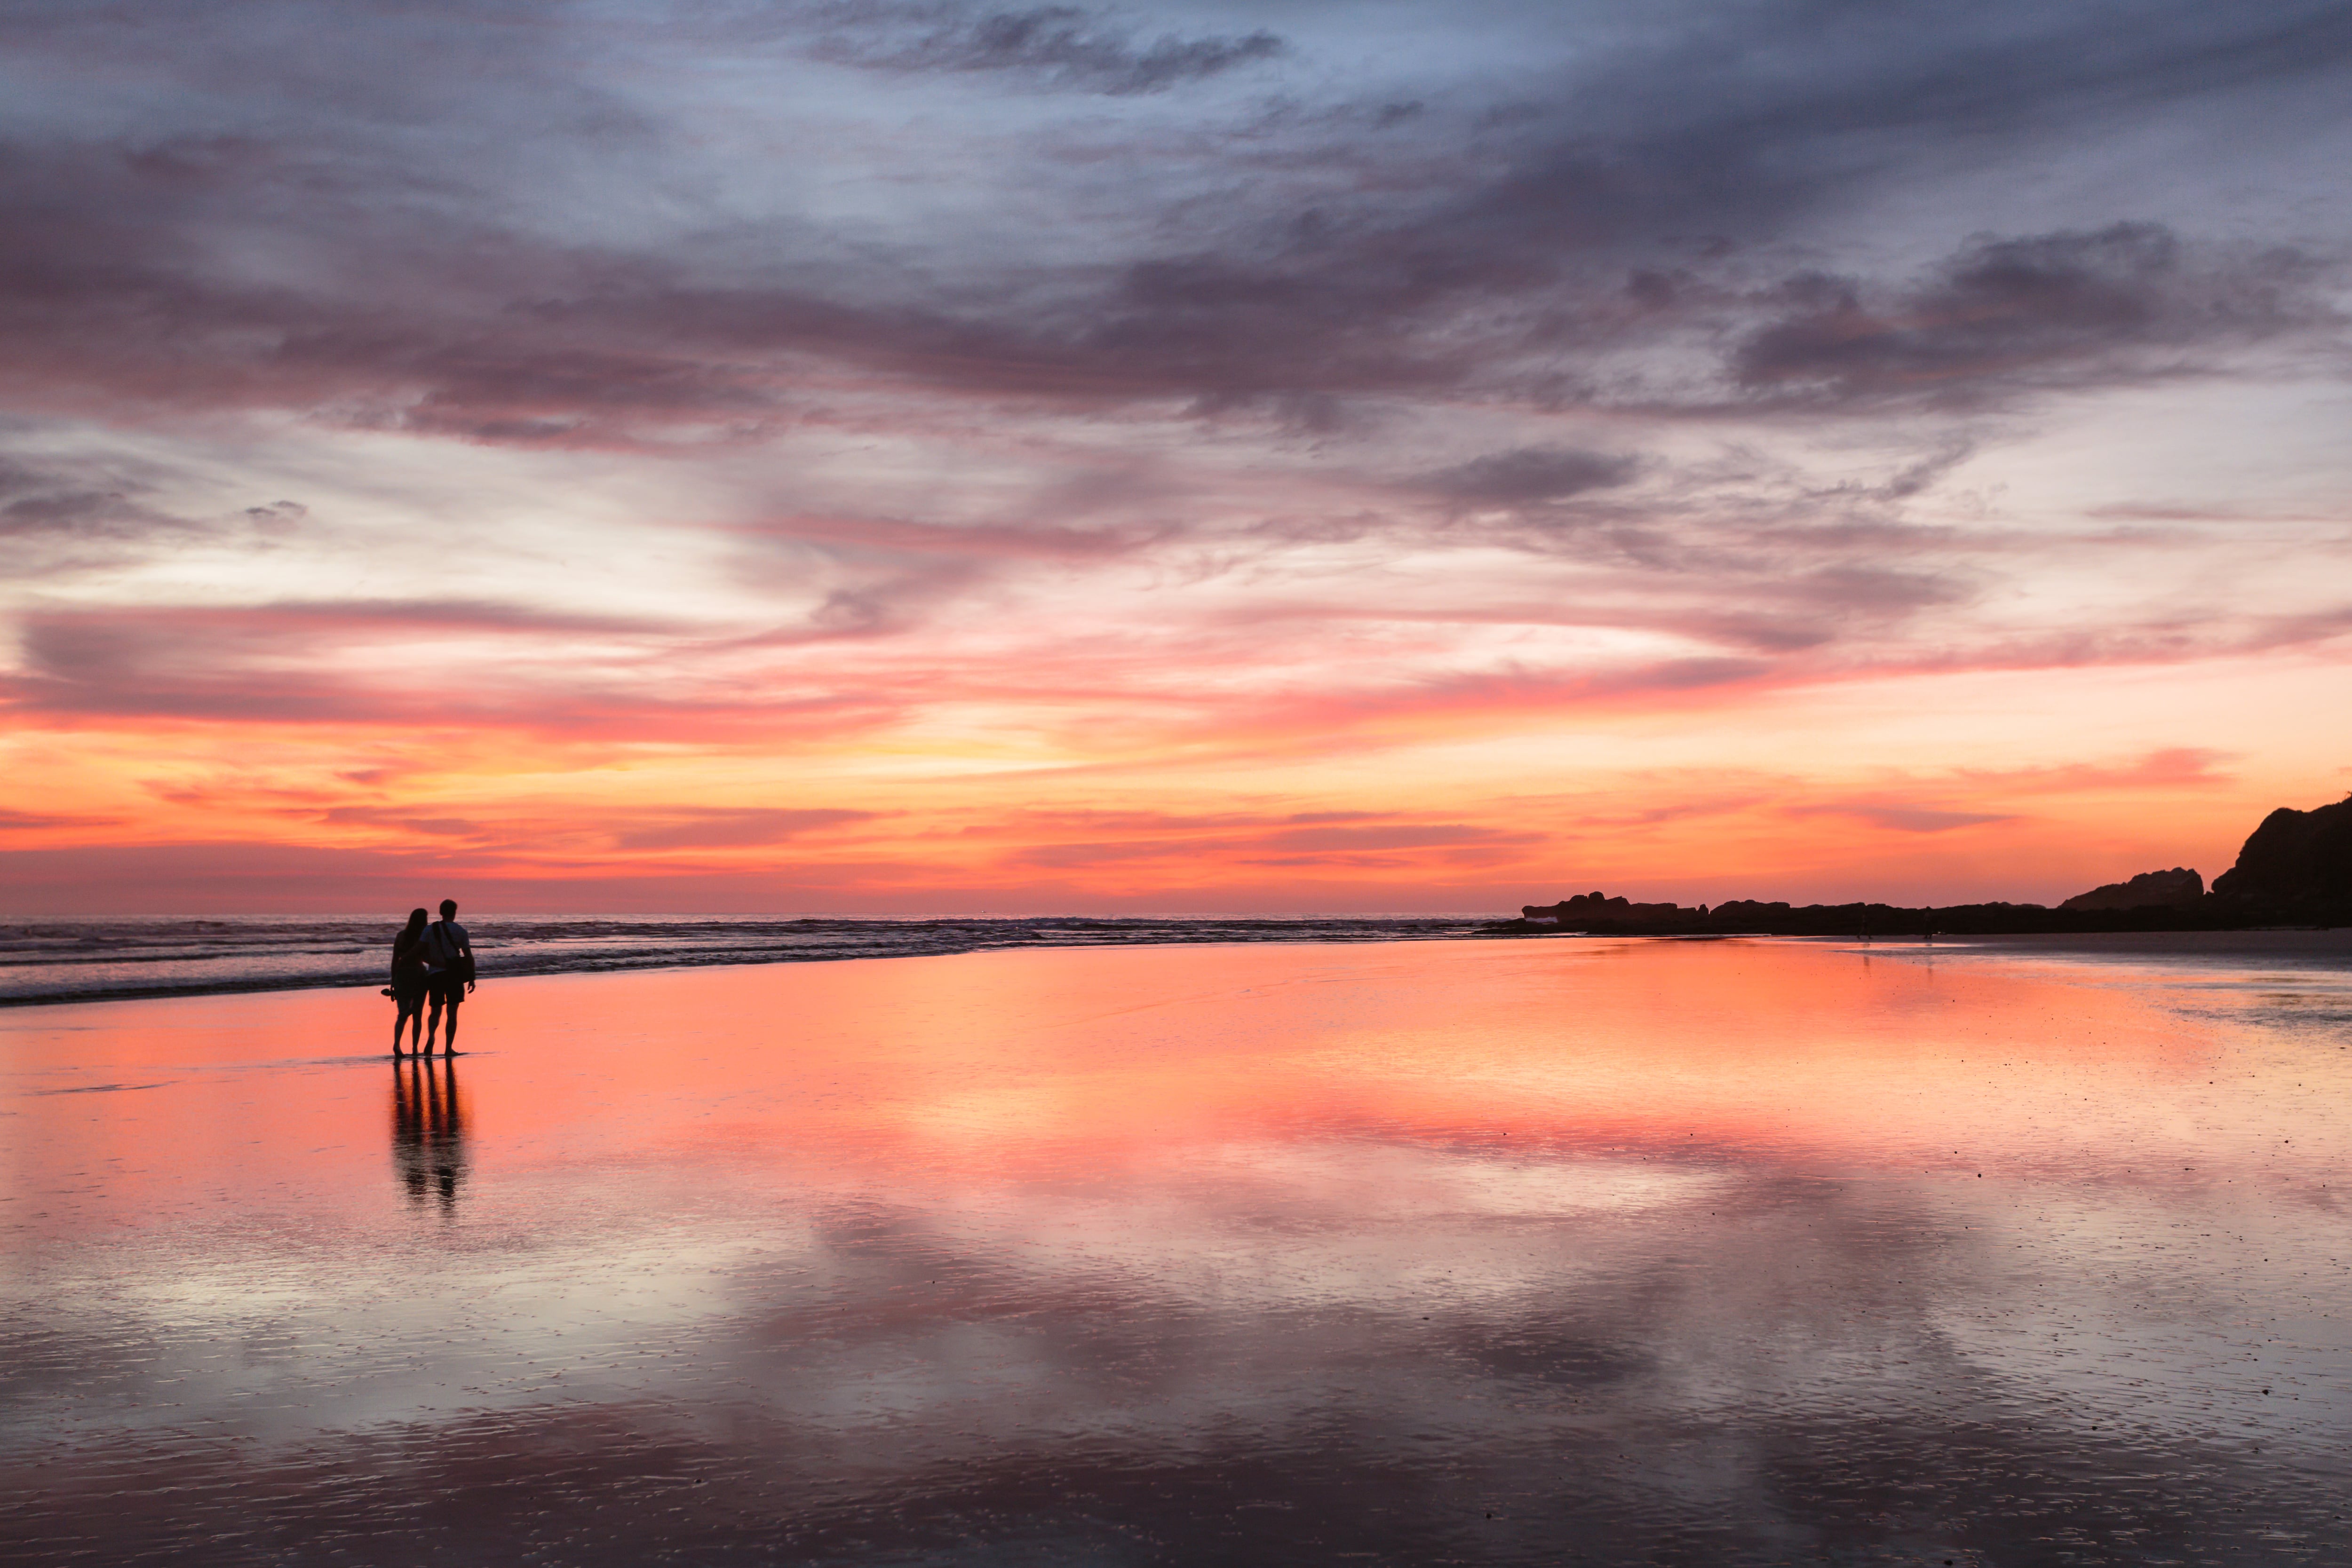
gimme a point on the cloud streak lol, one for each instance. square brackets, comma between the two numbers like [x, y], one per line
[1060, 45]
[2042, 310]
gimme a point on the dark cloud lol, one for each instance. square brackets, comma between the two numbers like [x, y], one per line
[379, 661]
[1062, 45]
[47, 508]
[888, 538]
[72, 643]
[2040, 310]
[68, 512]
[1532, 474]
[272, 661]
[1493, 253]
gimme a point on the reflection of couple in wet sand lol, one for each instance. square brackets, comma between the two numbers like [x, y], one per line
[428, 1131]
[431, 964]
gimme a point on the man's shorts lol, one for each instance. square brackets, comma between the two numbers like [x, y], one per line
[447, 988]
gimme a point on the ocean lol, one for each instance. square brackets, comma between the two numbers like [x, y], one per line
[148, 956]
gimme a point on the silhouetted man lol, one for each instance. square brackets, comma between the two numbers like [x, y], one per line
[450, 955]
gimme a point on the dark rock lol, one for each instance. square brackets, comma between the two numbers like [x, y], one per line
[2296, 869]
[1587, 908]
[2179, 888]
[2296, 861]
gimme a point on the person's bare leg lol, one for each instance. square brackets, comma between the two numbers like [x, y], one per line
[449, 1035]
[432, 1025]
[399, 1022]
[415, 1024]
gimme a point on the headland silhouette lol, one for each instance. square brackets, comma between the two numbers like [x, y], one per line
[2295, 869]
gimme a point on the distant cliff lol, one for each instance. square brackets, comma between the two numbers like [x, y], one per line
[2296, 861]
[2295, 869]
[2179, 888]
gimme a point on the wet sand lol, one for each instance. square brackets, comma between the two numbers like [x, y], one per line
[1534, 1252]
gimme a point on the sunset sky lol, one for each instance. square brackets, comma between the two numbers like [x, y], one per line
[909, 457]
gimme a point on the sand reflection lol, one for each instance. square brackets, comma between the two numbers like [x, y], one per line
[428, 1131]
[1638, 1252]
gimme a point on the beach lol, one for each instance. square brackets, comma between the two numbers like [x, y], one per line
[1603, 1252]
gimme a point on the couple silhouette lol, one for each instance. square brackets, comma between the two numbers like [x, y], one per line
[430, 964]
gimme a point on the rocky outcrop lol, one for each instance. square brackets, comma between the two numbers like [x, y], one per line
[1591, 908]
[2295, 861]
[1874, 922]
[2179, 888]
[2295, 870]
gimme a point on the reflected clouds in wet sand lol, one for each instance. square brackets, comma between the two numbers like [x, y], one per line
[1611, 1253]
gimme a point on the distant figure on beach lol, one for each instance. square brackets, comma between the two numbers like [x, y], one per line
[410, 980]
[449, 954]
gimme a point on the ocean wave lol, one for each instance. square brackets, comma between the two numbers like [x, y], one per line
[121, 957]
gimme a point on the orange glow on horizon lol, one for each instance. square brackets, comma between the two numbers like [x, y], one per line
[1692, 802]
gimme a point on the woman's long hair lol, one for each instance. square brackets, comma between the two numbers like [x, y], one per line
[415, 929]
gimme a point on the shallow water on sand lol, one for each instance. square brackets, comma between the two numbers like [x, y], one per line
[1562, 1252]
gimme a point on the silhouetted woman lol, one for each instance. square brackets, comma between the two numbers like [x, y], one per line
[408, 982]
